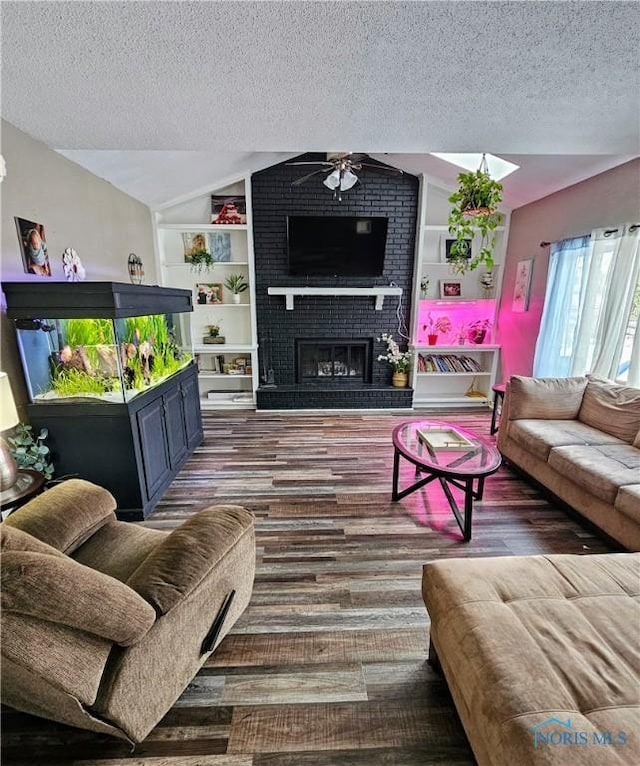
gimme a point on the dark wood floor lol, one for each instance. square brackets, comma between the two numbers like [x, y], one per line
[328, 665]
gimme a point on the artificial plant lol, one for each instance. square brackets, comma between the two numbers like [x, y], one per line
[201, 260]
[236, 283]
[474, 213]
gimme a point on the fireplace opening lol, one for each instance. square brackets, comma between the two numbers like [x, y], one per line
[333, 361]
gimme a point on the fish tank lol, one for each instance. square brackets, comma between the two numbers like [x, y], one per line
[110, 359]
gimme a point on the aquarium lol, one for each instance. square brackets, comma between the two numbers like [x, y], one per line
[99, 359]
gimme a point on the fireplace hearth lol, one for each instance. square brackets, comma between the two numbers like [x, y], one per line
[333, 361]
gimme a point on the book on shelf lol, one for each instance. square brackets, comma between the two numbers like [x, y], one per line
[447, 363]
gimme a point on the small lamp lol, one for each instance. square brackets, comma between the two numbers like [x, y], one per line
[8, 419]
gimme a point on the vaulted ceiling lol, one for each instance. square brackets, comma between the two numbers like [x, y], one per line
[197, 89]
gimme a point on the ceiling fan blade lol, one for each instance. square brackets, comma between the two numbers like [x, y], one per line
[300, 181]
[357, 157]
[320, 162]
[381, 169]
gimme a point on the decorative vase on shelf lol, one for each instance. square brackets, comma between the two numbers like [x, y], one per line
[400, 379]
[432, 339]
[236, 298]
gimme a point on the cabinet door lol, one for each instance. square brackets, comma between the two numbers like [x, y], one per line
[176, 434]
[153, 445]
[192, 416]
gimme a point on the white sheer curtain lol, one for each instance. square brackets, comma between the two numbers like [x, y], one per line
[590, 292]
[620, 289]
[566, 285]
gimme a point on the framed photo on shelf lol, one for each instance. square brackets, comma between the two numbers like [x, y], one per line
[448, 244]
[228, 210]
[193, 241]
[522, 286]
[220, 246]
[207, 294]
[451, 288]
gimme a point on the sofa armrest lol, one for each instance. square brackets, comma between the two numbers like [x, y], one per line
[185, 557]
[60, 590]
[545, 398]
[66, 515]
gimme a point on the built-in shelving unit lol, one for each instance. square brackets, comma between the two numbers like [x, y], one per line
[192, 215]
[448, 388]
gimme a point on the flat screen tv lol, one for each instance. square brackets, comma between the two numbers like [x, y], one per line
[342, 246]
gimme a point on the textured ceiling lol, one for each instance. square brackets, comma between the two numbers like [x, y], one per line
[520, 77]
[157, 178]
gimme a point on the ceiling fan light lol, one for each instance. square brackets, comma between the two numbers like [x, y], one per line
[332, 181]
[349, 179]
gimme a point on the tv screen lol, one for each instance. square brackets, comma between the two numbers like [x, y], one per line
[342, 246]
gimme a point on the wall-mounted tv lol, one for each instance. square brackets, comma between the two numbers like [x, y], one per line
[342, 246]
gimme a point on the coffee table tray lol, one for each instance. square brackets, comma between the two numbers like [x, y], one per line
[444, 438]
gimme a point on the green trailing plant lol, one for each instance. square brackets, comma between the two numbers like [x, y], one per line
[236, 283]
[474, 213]
[31, 452]
[201, 260]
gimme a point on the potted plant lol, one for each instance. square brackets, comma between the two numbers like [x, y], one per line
[434, 327]
[214, 330]
[477, 331]
[201, 260]
[236, 284]
[474, 213]
[399, 360]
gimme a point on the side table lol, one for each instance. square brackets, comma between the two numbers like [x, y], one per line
[498, 397]
[28, 484]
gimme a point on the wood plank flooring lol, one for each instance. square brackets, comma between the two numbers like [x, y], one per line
[327, 667]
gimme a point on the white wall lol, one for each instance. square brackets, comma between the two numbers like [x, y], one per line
[607, 199]
[77, 209]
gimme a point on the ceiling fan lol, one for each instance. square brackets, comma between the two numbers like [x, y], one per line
[340, 170]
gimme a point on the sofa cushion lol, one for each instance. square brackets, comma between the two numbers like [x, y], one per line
[118, 548]
[628, 501]
[525, 639]
[601, 470]
[66, 515]
[540, 436]
[187, 555]
[545, 398]
[611, 408]
[12, 539]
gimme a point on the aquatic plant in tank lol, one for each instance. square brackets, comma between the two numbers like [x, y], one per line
[149, 351]
[97, 361]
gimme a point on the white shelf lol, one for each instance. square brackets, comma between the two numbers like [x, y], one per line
[212, 404]
[444, 227]
[436, 400]
[203, 226]
[496, 264]
[217, 375]
[458, 349]
[222, 305]
[223, 348]
[378, 293]
[452, 374]
[198, 274]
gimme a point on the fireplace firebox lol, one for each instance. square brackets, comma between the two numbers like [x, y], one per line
[333, 361]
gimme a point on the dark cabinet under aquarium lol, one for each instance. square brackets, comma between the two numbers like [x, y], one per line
[109, 372]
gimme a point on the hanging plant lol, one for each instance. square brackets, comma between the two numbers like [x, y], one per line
[474, 213]
[201, 260]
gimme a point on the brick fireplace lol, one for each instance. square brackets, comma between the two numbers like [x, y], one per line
[323, 353]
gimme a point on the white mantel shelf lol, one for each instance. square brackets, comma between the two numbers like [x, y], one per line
[379, 293]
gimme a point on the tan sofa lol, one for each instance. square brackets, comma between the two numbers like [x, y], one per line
[541, 655]
[580, 438]
[105, 623]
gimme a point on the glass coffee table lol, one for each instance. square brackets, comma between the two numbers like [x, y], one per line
[452, 455]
